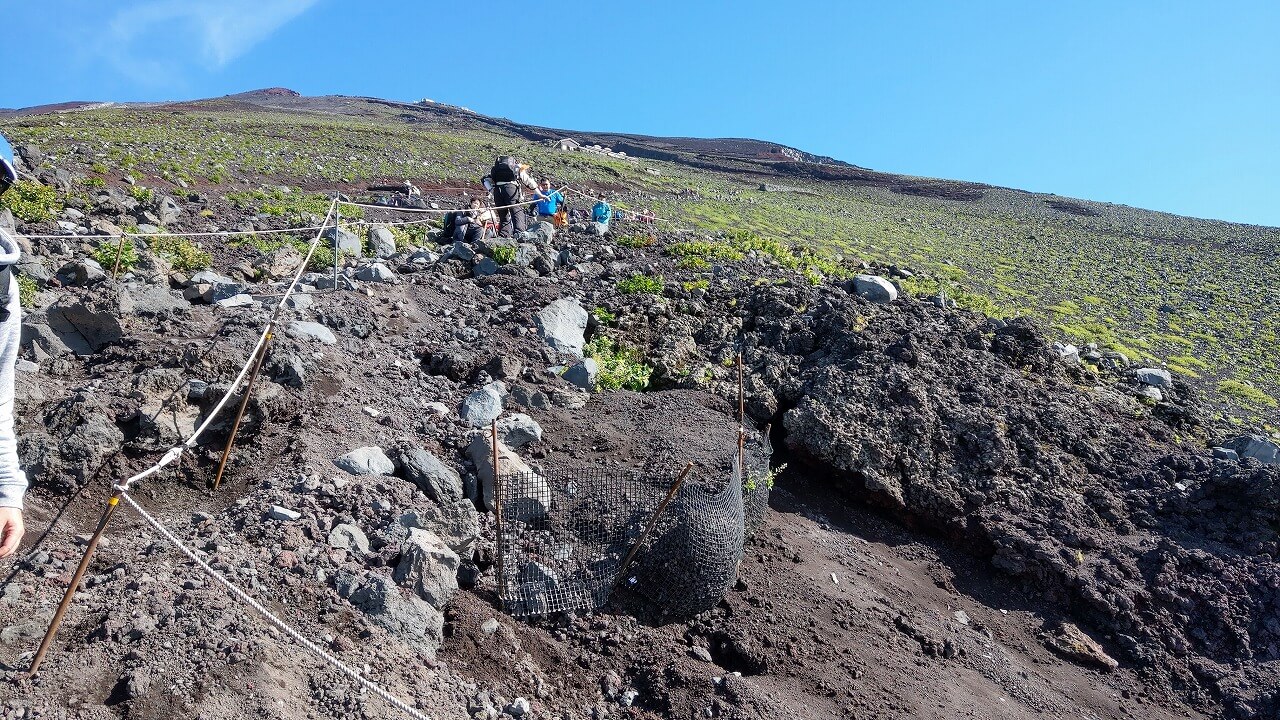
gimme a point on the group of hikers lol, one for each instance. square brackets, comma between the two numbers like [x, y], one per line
[507, 183]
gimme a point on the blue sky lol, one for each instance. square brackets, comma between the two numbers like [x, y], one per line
[1171, 106]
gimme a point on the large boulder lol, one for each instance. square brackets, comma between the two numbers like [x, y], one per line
[85, 327]
[376, 272]
[439, 481]
[1155, 377]
[482, 406]
[82, 271]
[304, 330]
[280, 263]
[382, 242]
[406, 616]
[530, 500]
[563, 324]
[874, 289]
[518, 430]
[583, 374]
[347, 242]
[1257, 447]
[428, 567]
[456, 523]
[366, 461]
[349, 537]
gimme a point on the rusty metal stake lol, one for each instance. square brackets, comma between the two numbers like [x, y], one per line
[653, 521]
[119, 252]
[112, 504]
[244, 404]
[497, 511]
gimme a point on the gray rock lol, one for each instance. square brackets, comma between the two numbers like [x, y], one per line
[406, 616]
[382, 242]
[1069, 353]
[366, 461]
[1222, 453]
[1155, 377]
[82, 328]
[23, 632]
[457, 523]
[212, 278]
[874, 288]
[518, 430]
[518, 708]
[152, 301]
[583, 374]
[282, 262]
[530, 397]
[428, 567]
[526, 253]
[563, 324]
[303, 330]
[1257, 447]
[349, 537]
[299, 302]
[377, 272]
[485, 267]
[166, 210]
[226, 290]
[241, 300]
[482, 406]
[345, 241]
[439, 481]
[284, 514]
[82, 271]
[529, 496]
[1151, 393]
[462, 251]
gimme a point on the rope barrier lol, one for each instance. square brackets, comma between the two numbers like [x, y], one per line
[176, 452]
[270, 617]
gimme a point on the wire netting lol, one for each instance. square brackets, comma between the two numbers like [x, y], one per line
[564, 535]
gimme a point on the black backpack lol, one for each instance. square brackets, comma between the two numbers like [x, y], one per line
[450, 223]
[505, 170]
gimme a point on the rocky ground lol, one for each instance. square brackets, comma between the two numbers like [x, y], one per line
[969, 523]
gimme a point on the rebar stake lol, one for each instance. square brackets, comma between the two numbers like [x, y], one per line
[112, 504]
[244, 404]
[497, 511]
[119, 252]
[653, 521]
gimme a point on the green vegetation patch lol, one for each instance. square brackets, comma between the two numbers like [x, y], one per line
[620, 368]
[108, 249]
[1247, 394]
[180, 252]
[28, 288]
[653, 284]
[32, 201]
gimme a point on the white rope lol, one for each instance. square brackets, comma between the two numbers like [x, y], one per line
[176, 452]
[281, 625]
[438, 210]
[645, 215]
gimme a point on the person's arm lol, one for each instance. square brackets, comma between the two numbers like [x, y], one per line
[13, 482]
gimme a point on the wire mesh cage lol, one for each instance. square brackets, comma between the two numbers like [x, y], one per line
[563, 536]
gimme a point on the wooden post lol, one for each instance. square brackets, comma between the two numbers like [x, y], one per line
[244, 404]
[497, 511]
[112, 504]
[653, 521]
[119, 251]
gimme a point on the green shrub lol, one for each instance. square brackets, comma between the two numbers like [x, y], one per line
[407, 238]
[696, 285]
[1247, 394]
[705, 250]
[642, 284]
[31, 201]
[28, 288]
[636, 241]
[692, 263]
[106, 251]
[179, 252]
[604, 317]
[621, 368]
[141, 194]
[504, 254]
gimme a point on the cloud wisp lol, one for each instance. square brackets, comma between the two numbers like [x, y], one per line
[152, 43]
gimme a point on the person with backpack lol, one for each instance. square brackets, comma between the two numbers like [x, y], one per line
[507, 181]
[13, 482]
[601, 214]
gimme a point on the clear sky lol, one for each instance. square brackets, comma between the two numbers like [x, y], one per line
[1164, 105]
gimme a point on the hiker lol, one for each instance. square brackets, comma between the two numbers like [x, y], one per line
[470, 225]
[507, 181]
[13, 482]
[601, 214]
[550, 204]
